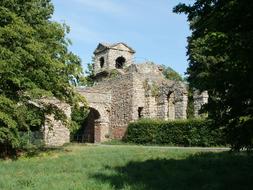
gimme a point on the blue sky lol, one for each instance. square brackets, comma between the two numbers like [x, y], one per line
[150, 27]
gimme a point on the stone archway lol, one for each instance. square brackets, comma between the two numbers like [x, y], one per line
[174, 101]
[88, 133]
[98, 123]
[95, 128]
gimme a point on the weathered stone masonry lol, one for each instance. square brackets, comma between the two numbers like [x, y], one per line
[55, 132]
[134, 91]
[139, 90]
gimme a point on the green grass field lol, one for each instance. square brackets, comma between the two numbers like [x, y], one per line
[80, 167]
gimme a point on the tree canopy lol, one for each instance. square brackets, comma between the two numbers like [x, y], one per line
[171, 74]
[35, 63]
[220, 61]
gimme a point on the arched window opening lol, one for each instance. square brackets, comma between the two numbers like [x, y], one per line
[171, 106]
[102, 62]
[120, 61]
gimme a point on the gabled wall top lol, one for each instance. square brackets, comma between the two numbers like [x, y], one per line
[117, 46]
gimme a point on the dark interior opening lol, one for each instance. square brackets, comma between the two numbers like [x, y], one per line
[120, 61]
[87, 132]
[102, 62]
[140, 114]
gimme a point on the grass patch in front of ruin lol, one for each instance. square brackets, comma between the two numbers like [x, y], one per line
[78, 166]
[117, 142]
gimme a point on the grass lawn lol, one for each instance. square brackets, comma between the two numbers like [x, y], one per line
[80, 167]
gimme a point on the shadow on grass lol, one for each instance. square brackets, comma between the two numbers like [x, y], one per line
[34, 152]
[45, 150]
[201, 171]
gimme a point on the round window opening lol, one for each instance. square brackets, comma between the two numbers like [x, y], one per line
[120, 61]
[102, 62]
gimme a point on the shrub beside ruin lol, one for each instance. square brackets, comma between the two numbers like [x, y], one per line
[195, 132]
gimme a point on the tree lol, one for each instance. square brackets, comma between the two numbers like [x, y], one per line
[220, 61]
[35, 63]
[171, 74]
[89, 79]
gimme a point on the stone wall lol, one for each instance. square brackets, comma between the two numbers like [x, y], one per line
[199, 99]
[121, 106]
[113, 54]
[139, 91]
[97, 67]
[55, 132]
[113, 98]
[181, 100]
[138, 109]
[142, 91]
[172, 101]
[123, 99]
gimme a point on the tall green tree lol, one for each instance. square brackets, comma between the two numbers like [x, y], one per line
[220, 51]
[35, 63]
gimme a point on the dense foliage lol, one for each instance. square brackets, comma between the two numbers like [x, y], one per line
[171, 74]
[78, 116]
[190, 105]
[181, 133]
[34, 63]
[220, 55]
[89, 78]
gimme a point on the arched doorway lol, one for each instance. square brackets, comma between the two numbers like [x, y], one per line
[87, 132]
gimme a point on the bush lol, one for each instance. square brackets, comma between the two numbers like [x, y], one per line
[197, 132]
[31, 140]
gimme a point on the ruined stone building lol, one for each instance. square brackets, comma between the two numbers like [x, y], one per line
[123, 92]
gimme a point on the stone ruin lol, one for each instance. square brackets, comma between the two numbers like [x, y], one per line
[199, 99]
[55, 132]
[132, 92]
[124, 92]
